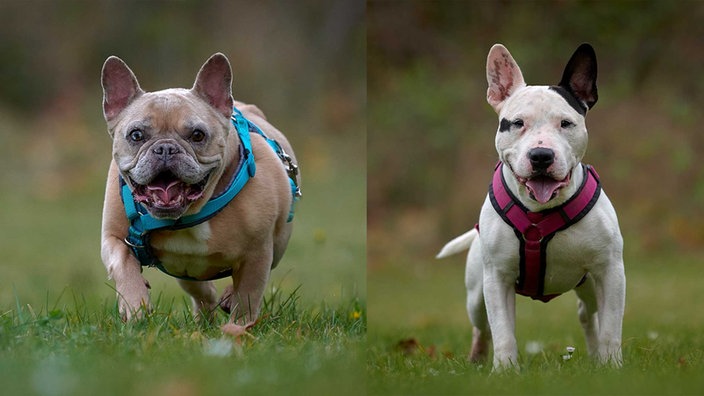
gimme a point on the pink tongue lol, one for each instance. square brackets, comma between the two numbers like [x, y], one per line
[168, 193]
[543, 188]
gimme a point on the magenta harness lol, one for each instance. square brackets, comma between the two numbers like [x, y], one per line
[534, 230]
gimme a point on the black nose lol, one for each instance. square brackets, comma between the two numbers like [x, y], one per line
[166, 150]
[541, 158]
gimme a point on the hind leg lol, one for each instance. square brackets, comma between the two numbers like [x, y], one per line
[476, 309]
[203, 295]
[587, 312]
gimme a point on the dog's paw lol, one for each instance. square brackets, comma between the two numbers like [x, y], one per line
[610, 356]
[129, 313]
[133, 302]
[505, 364]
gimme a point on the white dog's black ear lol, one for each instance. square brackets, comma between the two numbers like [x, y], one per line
[579, 77]
[120, 87]
[214, 84]
[503, 75]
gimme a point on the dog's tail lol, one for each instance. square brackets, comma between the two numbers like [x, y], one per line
[459, 244]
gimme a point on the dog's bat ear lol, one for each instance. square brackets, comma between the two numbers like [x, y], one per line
[120, 87]
[214, 84]
[503, 75]
[579, 77]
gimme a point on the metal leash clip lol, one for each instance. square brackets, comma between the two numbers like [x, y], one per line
[291, 170]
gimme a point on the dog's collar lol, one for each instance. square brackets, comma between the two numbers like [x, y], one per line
[535, 229]
[142, 223]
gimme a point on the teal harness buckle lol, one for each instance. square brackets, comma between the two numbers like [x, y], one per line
[142, 223]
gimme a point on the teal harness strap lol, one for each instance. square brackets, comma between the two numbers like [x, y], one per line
[142, 223]
[291, 168]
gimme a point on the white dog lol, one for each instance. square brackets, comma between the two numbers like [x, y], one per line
[546, 226]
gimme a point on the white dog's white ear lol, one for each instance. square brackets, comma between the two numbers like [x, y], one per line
[120, 87]
[214, 84]
[503, 75]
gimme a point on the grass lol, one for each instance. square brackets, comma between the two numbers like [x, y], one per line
[418, 340]
[59, 333]
[77, 350]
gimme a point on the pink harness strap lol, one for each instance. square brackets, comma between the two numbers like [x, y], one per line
[535, 229]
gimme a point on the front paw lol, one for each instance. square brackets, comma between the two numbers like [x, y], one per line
[505, 365]
[133, 301]
[610, 355]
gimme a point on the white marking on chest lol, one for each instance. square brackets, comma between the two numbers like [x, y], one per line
[185, 252]
[189, 241]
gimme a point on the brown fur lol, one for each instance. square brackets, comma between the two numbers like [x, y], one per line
[249, 235]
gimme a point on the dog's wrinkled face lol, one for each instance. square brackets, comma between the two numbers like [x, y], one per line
[168, 152]
[170, 146]
[542, 135]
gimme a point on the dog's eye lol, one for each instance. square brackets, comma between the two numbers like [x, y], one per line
[566, 124]
[197, 136]
[136, 135]
[518, 123]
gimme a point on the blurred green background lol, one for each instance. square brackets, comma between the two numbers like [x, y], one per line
[431, 141]
[302, 63]
[431, 132]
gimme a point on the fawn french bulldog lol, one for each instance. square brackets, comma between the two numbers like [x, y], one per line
[200, 186]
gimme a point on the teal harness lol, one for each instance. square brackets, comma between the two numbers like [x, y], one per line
[142, 223]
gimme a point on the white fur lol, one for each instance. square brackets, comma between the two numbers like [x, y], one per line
[593, 245]
[185, 252]
[192, 240]
[459, 244]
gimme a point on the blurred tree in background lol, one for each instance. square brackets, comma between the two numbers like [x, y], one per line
[301, 62]
[53, 50]
[431, 132]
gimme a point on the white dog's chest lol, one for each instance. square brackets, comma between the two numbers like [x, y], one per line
[567, 261]
[569, 254]
[535, 233]
[186, 253]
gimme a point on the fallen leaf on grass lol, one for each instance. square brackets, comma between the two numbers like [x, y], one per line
[431, 351]
[410, 346]
[238, 331]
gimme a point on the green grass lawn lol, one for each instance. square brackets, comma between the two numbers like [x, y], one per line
[74, 349]
[419, 335]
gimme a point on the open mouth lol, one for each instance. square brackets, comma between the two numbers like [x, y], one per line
[166, 193]
[542, 187]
